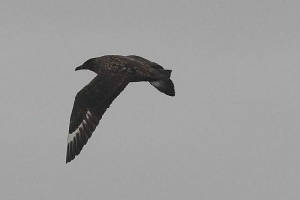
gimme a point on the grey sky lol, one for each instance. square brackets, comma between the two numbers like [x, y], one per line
[231, 132]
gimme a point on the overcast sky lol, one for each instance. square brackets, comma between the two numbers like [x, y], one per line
[231, 132]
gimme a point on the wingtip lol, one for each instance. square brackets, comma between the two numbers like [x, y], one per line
[70, 154]
[68, 159]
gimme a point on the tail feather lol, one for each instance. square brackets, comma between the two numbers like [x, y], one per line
[167, 73]
[161, 74]
[165, 86]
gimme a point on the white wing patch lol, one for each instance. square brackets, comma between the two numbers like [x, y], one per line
[77, 131]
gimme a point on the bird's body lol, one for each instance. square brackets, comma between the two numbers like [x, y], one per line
[134, 67]
[114, 73]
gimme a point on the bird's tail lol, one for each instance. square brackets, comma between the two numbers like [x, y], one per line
[165, 85]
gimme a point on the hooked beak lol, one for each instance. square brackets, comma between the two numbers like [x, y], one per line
[79, 67]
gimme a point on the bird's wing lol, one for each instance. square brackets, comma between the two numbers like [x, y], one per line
[90, 104]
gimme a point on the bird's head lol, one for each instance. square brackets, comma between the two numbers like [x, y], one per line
[90, 64]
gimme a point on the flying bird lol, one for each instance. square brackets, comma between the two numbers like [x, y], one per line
[114, 73]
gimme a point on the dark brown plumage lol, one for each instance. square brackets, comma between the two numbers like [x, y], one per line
[114, 73]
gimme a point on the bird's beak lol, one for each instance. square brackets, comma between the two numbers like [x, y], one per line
[79, 67]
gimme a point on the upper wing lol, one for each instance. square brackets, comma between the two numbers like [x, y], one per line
[90, 104]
